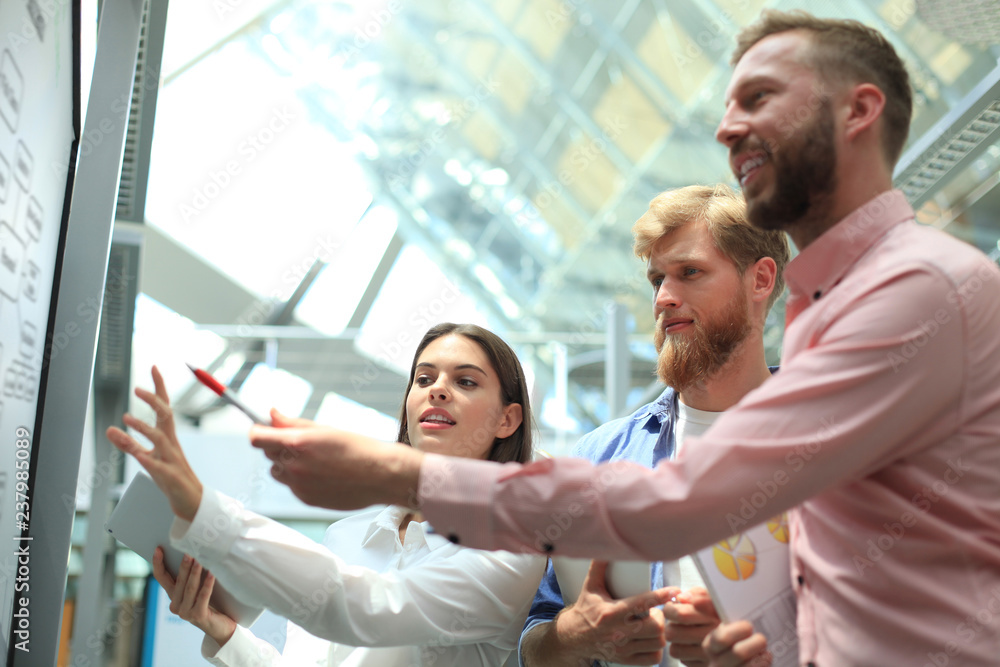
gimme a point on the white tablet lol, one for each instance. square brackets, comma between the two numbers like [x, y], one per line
[624, 578]
[141, 521]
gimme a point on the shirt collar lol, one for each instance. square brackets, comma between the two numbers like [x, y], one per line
[825, 261]
[661, 407]
[387, 523]
[387, 520]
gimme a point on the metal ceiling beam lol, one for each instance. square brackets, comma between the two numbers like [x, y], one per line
[250, 26]
[953, 143]
[496, 115]
[410, 210]
[867, 15]
[648, 82]
[376, 281]
[566, 102]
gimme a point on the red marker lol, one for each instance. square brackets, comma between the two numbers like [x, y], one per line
[226, 395]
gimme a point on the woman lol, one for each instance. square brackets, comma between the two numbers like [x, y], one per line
[383, 589]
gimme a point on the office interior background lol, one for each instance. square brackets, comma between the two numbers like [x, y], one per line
[309, 185]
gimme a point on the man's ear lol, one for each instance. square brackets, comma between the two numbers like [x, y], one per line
[866, 101]
[763, 275]
[510, 420]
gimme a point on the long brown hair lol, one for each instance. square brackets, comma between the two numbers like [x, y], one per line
[513, 388]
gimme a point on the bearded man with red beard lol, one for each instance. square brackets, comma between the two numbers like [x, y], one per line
[714, 277]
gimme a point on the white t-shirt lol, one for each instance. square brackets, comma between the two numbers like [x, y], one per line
[690, 423]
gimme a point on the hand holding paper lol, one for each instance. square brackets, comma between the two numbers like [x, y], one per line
[737, 645]
[189, 595]
[690, 616]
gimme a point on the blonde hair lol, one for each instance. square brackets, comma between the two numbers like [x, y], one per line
[724, 213]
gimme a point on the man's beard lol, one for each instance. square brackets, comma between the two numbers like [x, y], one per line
[685, 360]
[804, 177]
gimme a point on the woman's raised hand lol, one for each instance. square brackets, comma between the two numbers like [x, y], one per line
[165, 462]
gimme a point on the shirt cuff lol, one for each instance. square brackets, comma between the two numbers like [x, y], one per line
[456, 496]
[215, 527]
[243, 649]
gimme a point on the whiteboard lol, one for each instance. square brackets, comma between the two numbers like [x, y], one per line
[37, 111]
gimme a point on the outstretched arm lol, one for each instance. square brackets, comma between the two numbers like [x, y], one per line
[265, 563]
[262, 561]
[307, 457]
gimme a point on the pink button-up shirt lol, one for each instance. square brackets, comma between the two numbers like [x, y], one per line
[882, 430]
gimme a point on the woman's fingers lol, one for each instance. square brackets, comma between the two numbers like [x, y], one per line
[205, 594]
[186, 589]
[192, 586]
[153, 434]
[164, 413]
[129, 445]
[160, 573]
[160, 386]
[180, 583]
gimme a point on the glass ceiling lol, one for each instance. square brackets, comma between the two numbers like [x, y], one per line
[477, 160]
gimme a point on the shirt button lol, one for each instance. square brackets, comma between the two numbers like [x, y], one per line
[817, 294]
[801, 581]
[453, 538]
[548, 548]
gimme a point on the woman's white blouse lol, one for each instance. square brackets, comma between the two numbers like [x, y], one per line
[378, 602]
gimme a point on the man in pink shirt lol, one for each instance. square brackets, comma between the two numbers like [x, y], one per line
[882, 429]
